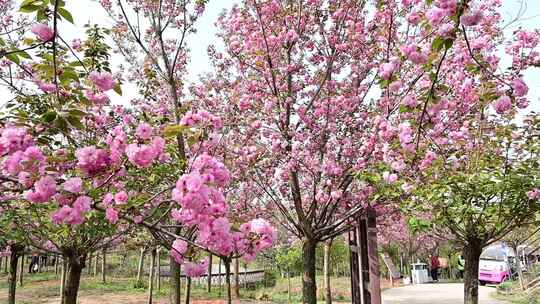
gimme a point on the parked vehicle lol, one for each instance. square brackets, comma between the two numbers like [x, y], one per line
[494, 267]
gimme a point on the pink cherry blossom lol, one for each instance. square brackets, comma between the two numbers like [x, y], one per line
[98, 99]
[112, 215]
[201, 118]
[74, 215]
[43, 32]
[520, 88]
[103, 81]
[503, 104]
[144, 131]
[472, 18]
[108, 199]
[47, 87]
[76, 44]
[179, 247]
[389, 178]
[91, 160]
[44, 189]
[13, 139]
[138, 219]
[387, 69]
[73, 185]
[193, 181]
[121, 197]
[534, 194]
[141, 155]
[196, 269]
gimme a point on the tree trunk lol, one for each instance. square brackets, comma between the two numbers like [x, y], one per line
[90, 262]
[309, 285]
[176, 294]
[21, 272]
[12, 276]
[327, 287]
[288, 286]
[518, 267]
[151, 276]
[471, 251]
[237, 278]
[220, 278]
[6, 265]
[209, 274]
[55, 265]
[96, 264]
[188, 290]
[227, 263]
[73, 278]
[140, 267]
[63, 279]
[158, 269]
[103, 265]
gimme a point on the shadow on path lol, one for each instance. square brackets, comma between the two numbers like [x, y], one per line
[440, 293]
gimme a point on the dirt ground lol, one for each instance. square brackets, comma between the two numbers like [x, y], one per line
[46, 292]
[125, 299]
[40, 293]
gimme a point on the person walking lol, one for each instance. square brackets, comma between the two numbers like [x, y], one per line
[435, 265]
[33, 263]
[461, 266]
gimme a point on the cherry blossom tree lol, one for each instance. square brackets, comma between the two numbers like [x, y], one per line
[86, 164]
[485, 191]
[330, 106]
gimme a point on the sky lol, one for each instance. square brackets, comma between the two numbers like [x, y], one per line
[92, 12]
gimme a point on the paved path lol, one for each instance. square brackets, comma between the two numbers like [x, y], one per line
[440, 293]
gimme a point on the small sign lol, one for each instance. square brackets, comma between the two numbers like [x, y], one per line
[390, 266]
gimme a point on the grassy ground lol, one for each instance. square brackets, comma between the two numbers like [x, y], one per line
[520, 298]
[511, 292]
[278, 294]
[44, 288]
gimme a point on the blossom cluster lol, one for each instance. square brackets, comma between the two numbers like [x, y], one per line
[534, 194]
[201, 119]
[5, 252]
[202, 204]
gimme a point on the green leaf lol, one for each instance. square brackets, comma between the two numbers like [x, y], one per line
[384, 82]
[68, 74]
[13, 57]
[77, 112]
[66, 14]
[448, 43]
[75, 63]
[75, 121]
[61, 124]
[41, 16]
[49, 116]
[437, 44]
[27, 2]
[23, 54]
[173, 130]
[118, 89]
[404, 109]
[29, 8]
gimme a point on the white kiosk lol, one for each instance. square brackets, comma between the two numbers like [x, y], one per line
[419, 273]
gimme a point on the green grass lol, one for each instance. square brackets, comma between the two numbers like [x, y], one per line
[512, 293]
[520, 298]
[47, 285]
[28, 278]
[278, 293]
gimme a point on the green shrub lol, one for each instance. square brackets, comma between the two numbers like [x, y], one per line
[270, 278]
